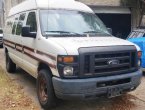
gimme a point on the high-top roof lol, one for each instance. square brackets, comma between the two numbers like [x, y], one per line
[49, 4]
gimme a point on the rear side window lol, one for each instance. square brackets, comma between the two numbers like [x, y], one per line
[20, 24]
[31, 21]
[9, 25]
[22, 17]
[19, 28]
[14, 27]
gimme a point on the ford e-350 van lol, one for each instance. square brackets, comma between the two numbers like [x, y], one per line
[68, 49]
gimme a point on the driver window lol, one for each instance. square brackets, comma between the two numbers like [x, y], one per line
[31, 21]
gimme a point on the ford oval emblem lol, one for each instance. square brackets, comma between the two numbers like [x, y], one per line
[113, 62]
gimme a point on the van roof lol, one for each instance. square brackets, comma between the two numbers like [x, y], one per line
[49, 4]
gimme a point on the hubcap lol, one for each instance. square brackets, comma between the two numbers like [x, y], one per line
[43, 89]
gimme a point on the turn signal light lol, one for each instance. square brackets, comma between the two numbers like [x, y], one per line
[66, 59]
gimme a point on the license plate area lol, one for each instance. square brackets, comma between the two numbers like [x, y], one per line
[114, 91]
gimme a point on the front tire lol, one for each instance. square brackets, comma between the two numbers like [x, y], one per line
[10, 65]
[45, 91]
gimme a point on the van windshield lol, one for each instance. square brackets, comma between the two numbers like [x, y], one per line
[71, 23]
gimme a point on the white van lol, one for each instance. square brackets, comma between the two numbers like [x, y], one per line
[68, 49]
[1, 37]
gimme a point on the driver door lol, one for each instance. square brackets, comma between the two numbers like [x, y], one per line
[29, 44]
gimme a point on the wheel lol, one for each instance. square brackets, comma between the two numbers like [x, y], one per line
[45, 89]
[1, 46]
[10, 65]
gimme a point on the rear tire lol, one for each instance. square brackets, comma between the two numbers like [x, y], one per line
[10, 65]
[1, 46]
[45, 91]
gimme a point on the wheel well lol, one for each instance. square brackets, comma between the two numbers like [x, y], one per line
[6, 50]
[43, 66]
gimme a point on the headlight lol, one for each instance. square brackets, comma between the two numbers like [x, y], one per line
[139, 62]
[68, 66]
[68, 71]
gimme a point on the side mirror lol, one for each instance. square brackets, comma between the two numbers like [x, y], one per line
[109, 30]
[26, 32]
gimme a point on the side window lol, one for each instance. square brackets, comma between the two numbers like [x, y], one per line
[8, 26]
[22, 17]
[14, 25]
[31, 21]
[20, 24]
[19, 28]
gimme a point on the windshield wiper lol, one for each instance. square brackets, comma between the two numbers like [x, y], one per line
[92, 32]
[63, 32]
[95, 32]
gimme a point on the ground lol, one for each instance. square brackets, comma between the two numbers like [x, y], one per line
[12, 96]
[18, 92]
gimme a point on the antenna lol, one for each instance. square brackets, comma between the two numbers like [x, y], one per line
[47, 17]
[36, 3]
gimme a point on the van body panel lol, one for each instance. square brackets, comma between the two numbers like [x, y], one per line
[49, 4]
[72, 44]
[91, 88]
[80, 53]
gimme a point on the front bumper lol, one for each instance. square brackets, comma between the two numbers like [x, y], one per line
[71, 89]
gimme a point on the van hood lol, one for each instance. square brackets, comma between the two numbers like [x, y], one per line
[72, 44]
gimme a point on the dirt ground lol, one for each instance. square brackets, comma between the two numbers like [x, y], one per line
[18, 92]
[12, 96]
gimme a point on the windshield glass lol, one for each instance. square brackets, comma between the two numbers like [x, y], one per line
[64, 22]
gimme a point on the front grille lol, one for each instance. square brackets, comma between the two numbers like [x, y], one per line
[1, 39]
[96, 62]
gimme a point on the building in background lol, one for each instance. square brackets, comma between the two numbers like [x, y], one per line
[1, 13]
[11, 3]
[119, 15]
